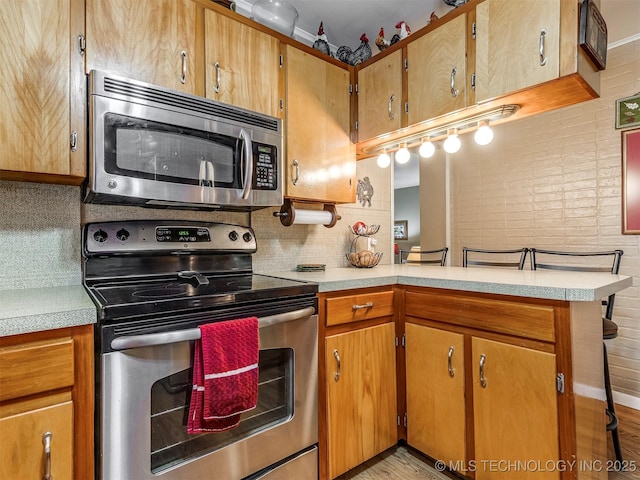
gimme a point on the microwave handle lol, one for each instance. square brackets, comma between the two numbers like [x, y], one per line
[248, 173]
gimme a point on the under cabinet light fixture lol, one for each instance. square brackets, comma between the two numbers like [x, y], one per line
[475, 121]
[484, 134]
[402, 154]
[452, 144]
[427, 149]
[384, 160]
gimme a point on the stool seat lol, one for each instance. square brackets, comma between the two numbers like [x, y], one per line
[609, 329]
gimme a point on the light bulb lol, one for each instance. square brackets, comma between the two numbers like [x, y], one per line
[484, 134]
[384, 160]
[452, 144]
[402, 154]
[427, 149]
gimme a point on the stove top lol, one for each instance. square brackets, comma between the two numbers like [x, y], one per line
[140, 269]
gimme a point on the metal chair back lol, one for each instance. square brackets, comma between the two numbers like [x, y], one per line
[514, 258]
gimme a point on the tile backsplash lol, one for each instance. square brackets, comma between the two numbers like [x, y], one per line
[40, 231]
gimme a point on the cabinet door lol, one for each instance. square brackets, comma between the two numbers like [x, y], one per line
[152, 42]
[236, 56]
[22, 454]
[437, 71]
[380, 97]
[435, 392]
[515, 412]
[509, 36]
[362, 408]
[40, 70]
[317, 125]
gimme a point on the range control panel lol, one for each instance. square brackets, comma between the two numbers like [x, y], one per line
[140, 236]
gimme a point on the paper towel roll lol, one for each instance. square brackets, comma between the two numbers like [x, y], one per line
[289, 215]
[312, 217]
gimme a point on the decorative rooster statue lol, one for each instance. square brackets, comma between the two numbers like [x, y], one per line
[405, 31]
[321, 43]
[357, 56]
[433, 17]
[380, 41]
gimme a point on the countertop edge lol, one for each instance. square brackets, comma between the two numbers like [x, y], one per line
[48, 308]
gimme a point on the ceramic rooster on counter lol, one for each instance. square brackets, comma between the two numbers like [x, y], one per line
[321, 43]
[357, 56]
[380, 42]
[405, 31]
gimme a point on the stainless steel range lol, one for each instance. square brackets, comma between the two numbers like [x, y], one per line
[154, 283]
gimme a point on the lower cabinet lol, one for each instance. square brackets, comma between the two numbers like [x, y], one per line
[46, 405]
[361, 391]
[358, 389]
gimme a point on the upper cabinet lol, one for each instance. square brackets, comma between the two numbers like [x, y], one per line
[236, 56]
[43, 91]
[517, 45]
[150, 43]
[320, 158]
[380, 96]
[437, 71]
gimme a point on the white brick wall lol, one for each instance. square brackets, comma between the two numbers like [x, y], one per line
[554, 181]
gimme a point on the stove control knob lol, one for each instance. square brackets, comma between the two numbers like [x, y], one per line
[100, 236]
[122, 234]
[233, 235]
[247, 237]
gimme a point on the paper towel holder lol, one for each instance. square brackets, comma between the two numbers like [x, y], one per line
[287, 214]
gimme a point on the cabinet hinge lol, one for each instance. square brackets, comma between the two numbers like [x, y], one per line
[406, 108]
[356, 125]
[404, 340]
[356, 88]
[281, 105]
[350, 89]
[281, 61]
[405, 419]
[473, 30]
[73, 141]
[560, 382]
[406, 64]
[82, 44]
[398, 420]
[473, 81]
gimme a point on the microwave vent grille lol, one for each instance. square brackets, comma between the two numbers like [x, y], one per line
[189, 102]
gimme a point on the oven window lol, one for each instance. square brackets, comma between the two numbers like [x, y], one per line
[170, 396]
[156, 151]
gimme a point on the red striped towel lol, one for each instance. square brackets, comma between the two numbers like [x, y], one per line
[225, 375]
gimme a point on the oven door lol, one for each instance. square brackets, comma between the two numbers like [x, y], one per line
[145, 402]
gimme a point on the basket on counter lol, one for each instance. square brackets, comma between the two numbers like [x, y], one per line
[363, 258]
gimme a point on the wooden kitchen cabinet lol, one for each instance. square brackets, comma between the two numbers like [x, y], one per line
[242, 65]
[46, 388]
[437, 71]
[506, 407]
[517, 45]
[380, 107]
[320, 161]
[361, 391]
[358, 400]
[42, 119]
[435, 378]
[150, 42]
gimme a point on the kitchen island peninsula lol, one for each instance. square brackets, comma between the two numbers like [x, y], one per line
[496, 373]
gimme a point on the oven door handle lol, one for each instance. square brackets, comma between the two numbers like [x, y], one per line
[164, 338]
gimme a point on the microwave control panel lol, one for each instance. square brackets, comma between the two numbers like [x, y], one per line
[265, 167]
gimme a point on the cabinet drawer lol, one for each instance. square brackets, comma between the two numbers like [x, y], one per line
[354, 308]
[499, 316]
[35, 367]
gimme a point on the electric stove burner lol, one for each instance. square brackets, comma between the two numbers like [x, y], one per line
[167, 291]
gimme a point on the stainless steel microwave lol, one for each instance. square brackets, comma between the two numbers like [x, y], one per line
[150, 146]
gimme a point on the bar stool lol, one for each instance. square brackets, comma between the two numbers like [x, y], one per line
[547, 259]
[494, 258]
[432, 257]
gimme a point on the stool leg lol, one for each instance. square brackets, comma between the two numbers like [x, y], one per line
[613, 425]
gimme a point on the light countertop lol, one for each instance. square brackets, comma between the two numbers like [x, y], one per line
[553, 285]
[36, 309]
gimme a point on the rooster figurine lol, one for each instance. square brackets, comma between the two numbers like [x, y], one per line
[405, 31]
[321, 43]
[357, 56]
[380, 41]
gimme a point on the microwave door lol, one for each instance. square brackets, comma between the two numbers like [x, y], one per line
[247, 162]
